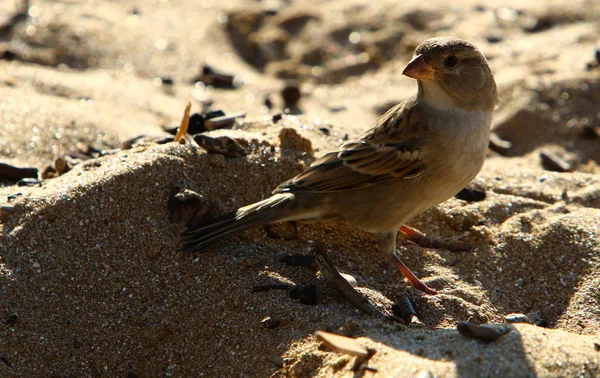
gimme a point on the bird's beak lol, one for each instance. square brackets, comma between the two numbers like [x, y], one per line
[419, 69]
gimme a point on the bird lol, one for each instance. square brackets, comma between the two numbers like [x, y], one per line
[418, 154]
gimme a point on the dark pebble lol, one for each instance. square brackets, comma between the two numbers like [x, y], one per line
[61, 166]
[553, 162]
[597, 346]
[6, 361]
[49, 172]
[188, 207]
[517, 318]
[213, 122]
[277, 117]
[13, 196]
[10, 172]
[597, 55]
[291, 95]
[404, 308]
[480, 332]
[499, 145]
[494, 38]
[324, 130]
[542, 323]
[12, 320]
[166, 80]
[217, 79]
[268, 103]
[590, 132]
[214, 114]
[196, 125]
[222, 145]
[471, 195]
[270, 322]
[305, 294]
[297, 259]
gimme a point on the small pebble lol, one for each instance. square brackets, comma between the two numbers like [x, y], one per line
[49, 172]
[471, 195]
[494, 38]
[404, 308]
[517, 318]
[6, 361]
[305, 294]
[542, 323]
[270, 322]
[14, 196]
[277, 117]
[481, 332]
[268, 103]
[297, 259]
[291, 95]
[223, 121]
[188, 207]
[222, 145]
[499, 145]
[12, 320]
[211, 76]
[590, 132]
[61, 166]
[553, 162]
[10, 172]
[324, 130]
[597, 346]
[196, 125]
[166, 80]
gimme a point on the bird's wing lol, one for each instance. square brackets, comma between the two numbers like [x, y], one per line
[391, 150]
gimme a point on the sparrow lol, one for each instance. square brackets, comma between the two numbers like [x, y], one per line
[418, 154]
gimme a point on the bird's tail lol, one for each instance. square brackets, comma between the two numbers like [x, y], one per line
[270, 210]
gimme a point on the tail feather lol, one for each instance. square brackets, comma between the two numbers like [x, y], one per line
[259, 214]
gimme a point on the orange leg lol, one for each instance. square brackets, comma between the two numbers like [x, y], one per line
[419, 238]
[414, 280]
[387, 246]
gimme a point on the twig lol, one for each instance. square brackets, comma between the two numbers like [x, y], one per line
[185, 122]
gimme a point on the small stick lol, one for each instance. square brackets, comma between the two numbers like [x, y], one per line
[223, 121]
[185, 122]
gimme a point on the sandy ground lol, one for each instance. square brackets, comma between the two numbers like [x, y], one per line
[92, 279]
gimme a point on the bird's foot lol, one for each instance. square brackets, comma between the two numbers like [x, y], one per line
[414, 281]
[419, 238]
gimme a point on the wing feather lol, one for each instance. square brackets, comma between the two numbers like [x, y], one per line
[388, 151]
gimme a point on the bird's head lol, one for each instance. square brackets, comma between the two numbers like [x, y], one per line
[452, 72]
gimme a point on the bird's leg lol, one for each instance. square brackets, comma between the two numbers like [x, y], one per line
[387, 245]
[420, 239]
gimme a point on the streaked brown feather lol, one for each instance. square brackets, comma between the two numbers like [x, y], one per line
[388, 151]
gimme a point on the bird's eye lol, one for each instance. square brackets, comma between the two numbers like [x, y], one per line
[451, 61]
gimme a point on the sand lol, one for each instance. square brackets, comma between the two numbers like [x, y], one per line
[92, 278]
